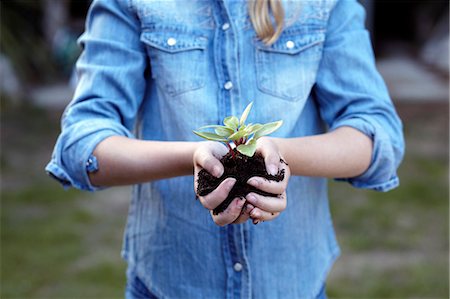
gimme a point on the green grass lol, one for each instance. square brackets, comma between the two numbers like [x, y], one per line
[394, 244]
[45, 239]
[419, 204]
[419, 280]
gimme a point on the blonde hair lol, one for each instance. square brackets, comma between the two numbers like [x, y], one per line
[260, 14]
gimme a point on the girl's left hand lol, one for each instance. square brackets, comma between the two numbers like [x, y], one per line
[268, 208]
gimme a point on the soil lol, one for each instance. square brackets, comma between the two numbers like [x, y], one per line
[241, 168]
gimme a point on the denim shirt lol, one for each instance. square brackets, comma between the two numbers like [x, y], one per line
[156, 70]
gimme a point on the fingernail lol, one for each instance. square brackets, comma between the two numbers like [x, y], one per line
[230, 183]
[272, 169]
[254, 182]
[254, 214]
[255, 222]
[217, 171]
[251, 198]
[239, 203]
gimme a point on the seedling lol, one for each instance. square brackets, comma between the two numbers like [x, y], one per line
[240, 162]
[236, 134]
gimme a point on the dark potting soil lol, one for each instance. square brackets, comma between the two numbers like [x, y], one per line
[241, 168]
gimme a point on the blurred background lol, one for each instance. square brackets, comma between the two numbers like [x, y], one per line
[66, 244]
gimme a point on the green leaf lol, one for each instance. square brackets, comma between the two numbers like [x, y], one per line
[253, 128]
[220, 130]
[210, 136]
[238, 135]
[223, 131]
[252, 141]
[210, 126]
[245, 113]
[268, 129]
[247, 149]
[231, 122]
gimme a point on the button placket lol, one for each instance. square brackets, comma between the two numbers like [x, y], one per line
[237, 267]
[228, 85]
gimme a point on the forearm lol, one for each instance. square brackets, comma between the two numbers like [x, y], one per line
[342, 153]
[124, 161]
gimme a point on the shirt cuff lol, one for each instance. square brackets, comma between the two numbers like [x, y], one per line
[382, 172]
[92, 164]
[72, 161]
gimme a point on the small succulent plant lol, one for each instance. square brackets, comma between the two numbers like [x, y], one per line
[236, 134]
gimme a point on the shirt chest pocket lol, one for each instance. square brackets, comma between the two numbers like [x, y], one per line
[287, 69]
[178, 60]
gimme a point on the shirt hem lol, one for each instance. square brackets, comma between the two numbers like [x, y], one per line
[329, 265]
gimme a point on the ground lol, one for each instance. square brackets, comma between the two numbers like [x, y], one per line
[395, 244]
[66, 244]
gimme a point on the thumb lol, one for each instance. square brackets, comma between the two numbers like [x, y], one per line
[207, 161]
[271, 158]
[272, 163]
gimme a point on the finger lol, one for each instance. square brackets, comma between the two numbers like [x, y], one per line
[245, 213]
[231, 213]
[259, 215]
[269, 204]
[210, 163]
[218, 195]
[269, 186]
[219, 150]
[208, 157]
[271, 159]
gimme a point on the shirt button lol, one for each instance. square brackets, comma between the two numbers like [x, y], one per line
[290, 44]
[225, 26]
[228, 85]
[171, 41]
[237, 267]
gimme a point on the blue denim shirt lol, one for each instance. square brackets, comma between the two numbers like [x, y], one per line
[157, 70]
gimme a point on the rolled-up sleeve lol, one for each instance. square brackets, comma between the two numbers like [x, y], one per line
[111, 72]
[351, 93]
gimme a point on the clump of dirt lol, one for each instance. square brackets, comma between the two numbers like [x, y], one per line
[242, 168]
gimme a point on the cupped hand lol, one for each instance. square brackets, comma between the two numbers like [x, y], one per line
[268, 208]
[207, 156]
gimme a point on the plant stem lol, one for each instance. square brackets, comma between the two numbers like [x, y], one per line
[231, 151]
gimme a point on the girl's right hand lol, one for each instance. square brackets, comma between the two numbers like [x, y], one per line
[207, 156]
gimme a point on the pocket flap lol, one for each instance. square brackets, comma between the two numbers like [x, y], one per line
[173, 42]
[293, 44]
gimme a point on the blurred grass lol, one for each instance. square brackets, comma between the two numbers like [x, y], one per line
[385, 220]
[66, 244]
[417, 280]
[47, 246]
[396, 244]
[55, 243]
